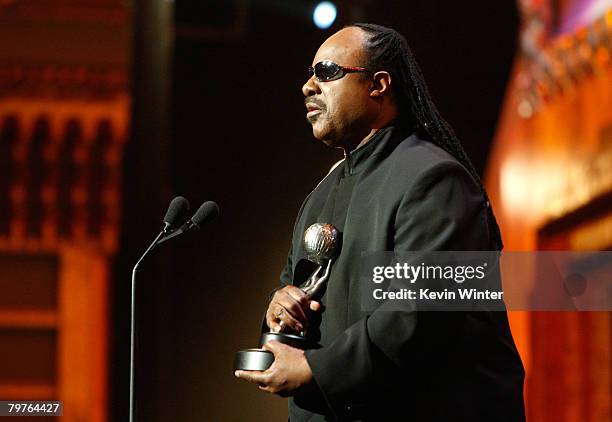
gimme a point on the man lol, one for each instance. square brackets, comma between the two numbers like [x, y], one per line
[405, 185]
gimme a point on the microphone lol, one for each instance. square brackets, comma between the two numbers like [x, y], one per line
[207, 212]
[177, 210]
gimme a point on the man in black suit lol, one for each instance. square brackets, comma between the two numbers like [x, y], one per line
[405, 185]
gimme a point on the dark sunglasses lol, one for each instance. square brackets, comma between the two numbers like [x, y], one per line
[329, 71]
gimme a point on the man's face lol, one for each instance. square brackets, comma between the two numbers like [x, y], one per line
[340, 110]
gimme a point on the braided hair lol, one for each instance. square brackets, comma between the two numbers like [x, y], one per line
[386, 49]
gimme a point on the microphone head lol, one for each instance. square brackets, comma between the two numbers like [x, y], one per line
[177, 211]
[207, 212]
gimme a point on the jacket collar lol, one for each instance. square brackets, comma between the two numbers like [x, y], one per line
[357, 160]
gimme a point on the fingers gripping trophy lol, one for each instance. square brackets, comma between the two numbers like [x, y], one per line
[322, 246]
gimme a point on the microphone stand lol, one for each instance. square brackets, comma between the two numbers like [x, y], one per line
[207, 211]
[133, 317]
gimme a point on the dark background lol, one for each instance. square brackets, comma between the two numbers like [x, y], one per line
[234, 131]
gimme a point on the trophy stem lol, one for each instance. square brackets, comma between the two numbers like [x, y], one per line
[314, 283]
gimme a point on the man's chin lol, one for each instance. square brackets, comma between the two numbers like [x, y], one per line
[322, 135]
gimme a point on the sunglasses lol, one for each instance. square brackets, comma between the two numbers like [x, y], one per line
[329, 71]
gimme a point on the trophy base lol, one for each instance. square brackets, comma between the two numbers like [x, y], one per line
[253, 360]
[260, 359]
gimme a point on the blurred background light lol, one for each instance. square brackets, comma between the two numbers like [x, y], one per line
[324, 14]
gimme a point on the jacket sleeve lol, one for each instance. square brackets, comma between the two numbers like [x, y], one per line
[438, 212]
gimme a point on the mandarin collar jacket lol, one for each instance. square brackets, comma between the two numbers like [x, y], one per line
[399, 192]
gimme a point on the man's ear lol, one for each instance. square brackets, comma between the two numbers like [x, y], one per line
[381, 84]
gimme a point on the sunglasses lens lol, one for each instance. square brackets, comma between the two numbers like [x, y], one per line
[326, 70]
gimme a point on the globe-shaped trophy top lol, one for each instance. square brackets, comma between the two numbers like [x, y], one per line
[321, 242]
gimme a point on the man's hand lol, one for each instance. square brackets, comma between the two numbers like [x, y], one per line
[288, 308]
[289, 374]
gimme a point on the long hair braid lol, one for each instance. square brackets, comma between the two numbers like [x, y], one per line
[386, 49]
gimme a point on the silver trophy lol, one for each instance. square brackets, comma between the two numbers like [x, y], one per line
[322, 246]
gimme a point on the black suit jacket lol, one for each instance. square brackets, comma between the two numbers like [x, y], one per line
[401, 193]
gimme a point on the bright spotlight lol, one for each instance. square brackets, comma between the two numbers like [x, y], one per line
[324, 14]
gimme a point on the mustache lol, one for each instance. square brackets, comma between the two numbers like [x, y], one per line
[315, 101]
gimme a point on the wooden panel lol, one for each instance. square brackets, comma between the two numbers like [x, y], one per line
[28, 391]
[28, 319]
[28, 281]
[83, 334]
[573, 349]
[28, 356]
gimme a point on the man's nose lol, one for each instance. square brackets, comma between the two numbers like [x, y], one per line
[311, 87]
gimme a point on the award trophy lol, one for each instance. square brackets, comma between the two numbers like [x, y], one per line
[322, 245]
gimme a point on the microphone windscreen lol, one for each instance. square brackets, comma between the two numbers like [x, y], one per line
[207, 212]
[177, 211]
